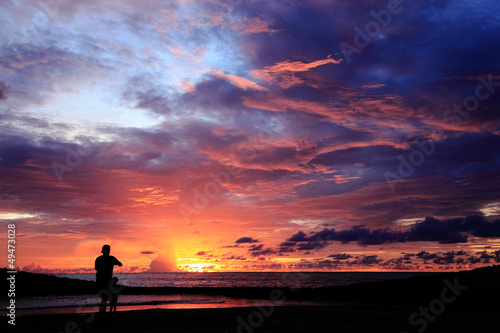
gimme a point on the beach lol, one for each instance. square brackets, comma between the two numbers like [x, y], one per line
[283, 319]
[465, 301]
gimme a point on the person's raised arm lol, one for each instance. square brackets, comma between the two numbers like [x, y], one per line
[117, 262]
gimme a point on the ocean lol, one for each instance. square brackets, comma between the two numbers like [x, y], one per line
[249, 279]
[89, 303]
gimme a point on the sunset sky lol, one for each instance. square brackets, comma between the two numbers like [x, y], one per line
[244, 135]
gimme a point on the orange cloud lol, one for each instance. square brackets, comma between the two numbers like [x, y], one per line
[240, 82]
[163, 263]
[272, 103]
[298, 66]
[282, 73]
[155, 196]
[252, 25]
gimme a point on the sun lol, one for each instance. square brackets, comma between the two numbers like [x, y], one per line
[199, 268]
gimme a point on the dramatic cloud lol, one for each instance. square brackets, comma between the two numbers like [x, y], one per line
[430, 229]
[246, 240]
[258, 250]
[340, 256]
[282, 74]
[162, 263]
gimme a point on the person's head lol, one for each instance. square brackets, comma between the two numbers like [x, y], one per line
[114, 280]
[106, 249]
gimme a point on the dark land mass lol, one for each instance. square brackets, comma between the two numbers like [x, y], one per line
[465, 301]
[482, 288]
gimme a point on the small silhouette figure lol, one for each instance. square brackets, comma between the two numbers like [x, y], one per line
[104, 272]
[115, 292]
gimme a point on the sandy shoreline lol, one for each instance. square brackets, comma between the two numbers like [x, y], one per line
[212, 302]
[466, 301]
[278, 319]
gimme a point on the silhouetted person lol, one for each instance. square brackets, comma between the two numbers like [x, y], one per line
[104, 272]
[115, 291]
